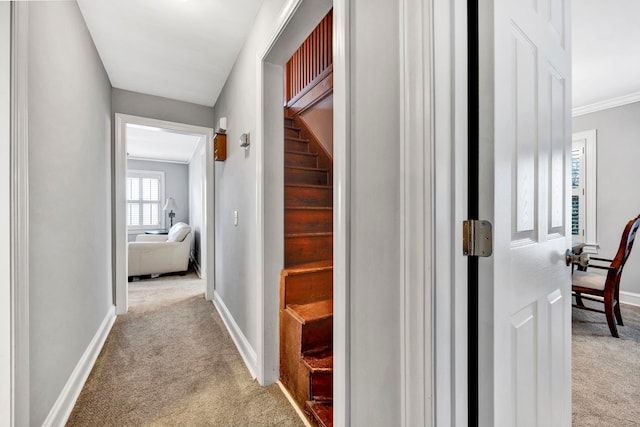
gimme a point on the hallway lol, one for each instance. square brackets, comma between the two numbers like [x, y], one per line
[170, 361]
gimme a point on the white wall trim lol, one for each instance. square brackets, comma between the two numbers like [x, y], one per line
[267, 357]
[606, 104]
[195, 264]
[61, 410]
[449, 209]
[20, 213]
[6, 321]
[591, 177]
[341, 213]
[416, 215]
[242, 343]
[119, 200]
[264, 355]
[630, 298]
[145, 159]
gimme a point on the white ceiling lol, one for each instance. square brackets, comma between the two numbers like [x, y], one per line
[151, 143]
[606, 43]
[184, 49]
[179, 49]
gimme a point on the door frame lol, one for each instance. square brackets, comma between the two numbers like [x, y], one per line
[449, 165]
[6, 147]
[19, 393]
[119, 202]
[295, 21]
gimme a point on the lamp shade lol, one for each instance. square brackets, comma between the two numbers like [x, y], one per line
[170, 205]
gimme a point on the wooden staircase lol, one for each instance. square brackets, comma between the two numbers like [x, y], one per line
[306, 283]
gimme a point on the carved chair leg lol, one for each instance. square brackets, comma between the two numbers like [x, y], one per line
[579, 299]
[616, 311]
[609, 311]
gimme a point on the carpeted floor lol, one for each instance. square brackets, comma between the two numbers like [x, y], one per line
[606, 370]
[171, 362]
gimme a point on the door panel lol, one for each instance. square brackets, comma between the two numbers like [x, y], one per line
[524, 176]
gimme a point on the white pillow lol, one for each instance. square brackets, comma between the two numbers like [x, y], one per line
[178, 232]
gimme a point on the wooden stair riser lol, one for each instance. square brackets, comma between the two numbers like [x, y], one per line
[293, 175]
[307, 248]
[293, 373]
[292, 132]
[320, 413]
[296, 338]
[306, 287]
[318, 334]
[294, 158]
[292, 144]
[325, 160]
[308, 220]
[321, 386]
[288, 122]
[295, 196]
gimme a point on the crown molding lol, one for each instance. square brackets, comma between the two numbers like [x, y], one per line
[606, 104]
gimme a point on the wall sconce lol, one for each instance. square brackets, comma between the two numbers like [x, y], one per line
[221, 127]
[244, 140]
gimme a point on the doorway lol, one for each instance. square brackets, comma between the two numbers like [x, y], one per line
[200, 160]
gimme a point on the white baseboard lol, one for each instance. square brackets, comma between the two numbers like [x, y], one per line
[247, 353]
[67, 399]
[196, 266]
[630, 298]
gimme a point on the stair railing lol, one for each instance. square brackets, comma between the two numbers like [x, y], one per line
[311, 62]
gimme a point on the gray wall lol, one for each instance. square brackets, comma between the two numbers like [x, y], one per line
[156, 107]
[176, 185]
[319, 120]
[235, 178]
[375, 318]
[69, 196]
[618, 135]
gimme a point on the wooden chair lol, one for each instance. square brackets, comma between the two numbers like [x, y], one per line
[606, 287]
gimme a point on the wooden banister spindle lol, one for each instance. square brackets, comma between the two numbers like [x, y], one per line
[311, 59]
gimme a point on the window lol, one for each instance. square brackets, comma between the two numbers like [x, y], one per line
[145, 193]
[583, 187]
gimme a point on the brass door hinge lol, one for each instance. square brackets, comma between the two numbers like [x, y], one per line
[477, 239]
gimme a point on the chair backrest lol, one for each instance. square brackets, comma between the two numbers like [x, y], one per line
[178, 232]
[626, 243]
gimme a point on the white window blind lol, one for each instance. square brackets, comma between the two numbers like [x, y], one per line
[583, 187]
[145, 193]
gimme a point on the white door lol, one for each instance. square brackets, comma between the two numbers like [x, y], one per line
[525, 142]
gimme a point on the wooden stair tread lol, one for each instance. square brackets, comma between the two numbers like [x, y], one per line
[320, 234]
[291, 127]
[301, 153]
[322, 412]
[307, 168]
[306, 313]
[309, 186]
[293, 138]
[309, 267]
[309, 208]
[319, 362]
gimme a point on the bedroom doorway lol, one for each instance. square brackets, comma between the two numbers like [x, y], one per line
[163, 177]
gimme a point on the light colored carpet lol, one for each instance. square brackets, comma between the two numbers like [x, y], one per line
[171, 362]
[606, 370]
